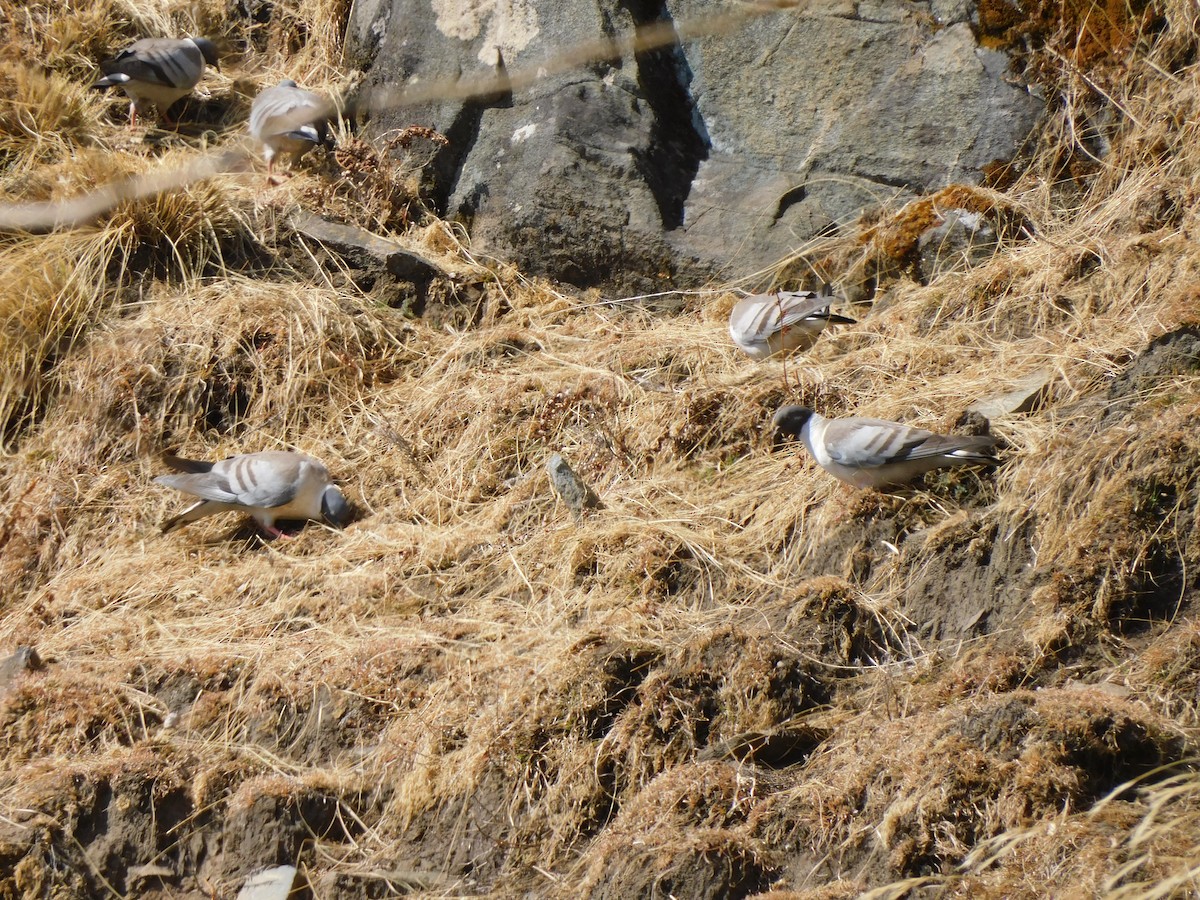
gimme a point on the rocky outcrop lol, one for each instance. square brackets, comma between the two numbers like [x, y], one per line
[719, 153]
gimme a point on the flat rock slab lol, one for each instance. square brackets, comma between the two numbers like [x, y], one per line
[1027, 395]
[363, 249]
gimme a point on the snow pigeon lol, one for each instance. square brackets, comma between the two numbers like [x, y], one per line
[766, 324]
[158, 71]
[288, 119]
[275, 484]
[875, 453]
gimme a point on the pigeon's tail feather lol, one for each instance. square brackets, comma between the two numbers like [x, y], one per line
[835, 319]
[926, 445]
[191, 514]
[979, 449]
[179, 464]
[114, 79]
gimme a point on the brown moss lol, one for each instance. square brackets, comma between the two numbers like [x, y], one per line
[1089, 34]
[896, 238]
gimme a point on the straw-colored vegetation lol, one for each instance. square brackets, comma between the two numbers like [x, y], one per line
[738, 677]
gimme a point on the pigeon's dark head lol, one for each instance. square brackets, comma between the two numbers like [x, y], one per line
[209, 51]
[287, 82]
[334, 508]
[787, 423]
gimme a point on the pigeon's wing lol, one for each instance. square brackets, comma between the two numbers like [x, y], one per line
[158, 61]
[259, 480]
[284, 109]
[868, 443]
[797, 306]
[206, 485]
[265, 107]
[747, 320]
[757, 317]
[760, 316]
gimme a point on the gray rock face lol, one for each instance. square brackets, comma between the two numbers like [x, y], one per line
[718, 154]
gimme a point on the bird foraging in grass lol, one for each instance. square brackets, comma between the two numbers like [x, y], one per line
[764, 325]
[275, 484]
[158, 71]
[290, 120]
[876, 453]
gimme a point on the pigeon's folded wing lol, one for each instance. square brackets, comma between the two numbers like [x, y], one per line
[257, 483]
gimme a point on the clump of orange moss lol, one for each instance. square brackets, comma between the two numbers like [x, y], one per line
[897, 237]
[1087, 35]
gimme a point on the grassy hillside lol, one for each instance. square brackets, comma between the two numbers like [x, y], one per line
[738, 678]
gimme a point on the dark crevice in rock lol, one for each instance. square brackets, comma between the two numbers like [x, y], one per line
[678, 137]
[903, 184]
[461, 137]
[788, 200]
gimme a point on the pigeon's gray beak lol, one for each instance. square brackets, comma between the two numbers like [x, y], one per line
[335, 509]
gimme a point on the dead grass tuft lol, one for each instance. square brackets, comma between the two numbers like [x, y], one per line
[44, 117]
[378, 185]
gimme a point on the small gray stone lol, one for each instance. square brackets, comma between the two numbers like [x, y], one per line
[269, 884]
[577, 495]
[1027, 394]
[23, 660]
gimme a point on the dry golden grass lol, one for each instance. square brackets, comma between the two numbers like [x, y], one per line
[45, 117]
[730, 675]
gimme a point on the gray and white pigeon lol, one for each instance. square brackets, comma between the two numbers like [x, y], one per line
[875, 453]
[158, 71]
[290, 120]
[274, 484]
[766, 324]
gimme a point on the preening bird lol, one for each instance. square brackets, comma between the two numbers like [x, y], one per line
[766, 324]
[288, 119]
[158, 71]
[875, 453]
[275, 484]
